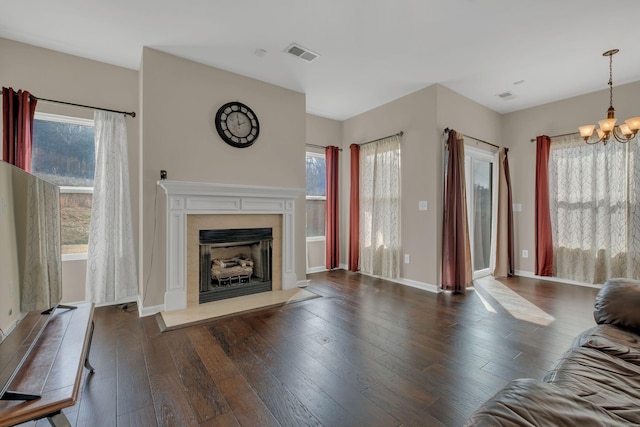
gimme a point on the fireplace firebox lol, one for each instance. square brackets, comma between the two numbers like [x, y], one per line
[234, 262]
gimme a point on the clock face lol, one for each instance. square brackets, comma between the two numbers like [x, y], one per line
[237, 124]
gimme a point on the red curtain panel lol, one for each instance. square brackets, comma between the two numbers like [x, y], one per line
[544, 239]
[18, 109]
[332, 229]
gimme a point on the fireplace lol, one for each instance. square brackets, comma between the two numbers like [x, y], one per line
[195, 206]
[234, 262]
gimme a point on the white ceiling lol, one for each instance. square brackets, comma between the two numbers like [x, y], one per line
[372, 51]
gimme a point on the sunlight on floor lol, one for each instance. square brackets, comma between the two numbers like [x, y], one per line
[486, 304]
[516, 305]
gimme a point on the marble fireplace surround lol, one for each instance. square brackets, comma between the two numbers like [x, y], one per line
[191, 206]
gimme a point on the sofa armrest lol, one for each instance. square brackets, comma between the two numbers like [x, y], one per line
[618, 303]
[534, 403]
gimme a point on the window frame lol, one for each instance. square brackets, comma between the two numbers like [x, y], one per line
[65, 189]
[323, 198]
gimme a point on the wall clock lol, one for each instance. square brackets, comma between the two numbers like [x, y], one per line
[237, 124]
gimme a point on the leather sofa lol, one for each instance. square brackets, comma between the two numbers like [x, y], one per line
[595, 383]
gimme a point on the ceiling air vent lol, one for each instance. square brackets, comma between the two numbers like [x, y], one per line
[301, 52]
[506, 95]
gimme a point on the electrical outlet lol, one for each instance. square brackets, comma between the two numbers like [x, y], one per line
[423, 205]
[407, 259]
[525, 253]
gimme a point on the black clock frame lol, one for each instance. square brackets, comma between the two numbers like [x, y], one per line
[224, 131]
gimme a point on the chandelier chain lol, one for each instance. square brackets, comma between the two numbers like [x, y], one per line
[611, 81]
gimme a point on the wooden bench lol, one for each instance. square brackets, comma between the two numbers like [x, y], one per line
[54, 368]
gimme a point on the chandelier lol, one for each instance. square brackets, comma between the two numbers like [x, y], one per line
[622, 133]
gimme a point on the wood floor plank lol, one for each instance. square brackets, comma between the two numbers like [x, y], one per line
[142, 417]
[339, 387]
[171, 404]
[133, 381]
[246, 405]
[205, 397]
[317, 390]
[407, 411]
[367, 352]
[283, 404]
[98, 406]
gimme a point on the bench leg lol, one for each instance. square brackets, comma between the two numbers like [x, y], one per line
[58, 420]
[86, 357]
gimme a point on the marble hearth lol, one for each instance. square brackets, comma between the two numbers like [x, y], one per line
[195, 206]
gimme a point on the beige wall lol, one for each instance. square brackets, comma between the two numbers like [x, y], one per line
[423, 116]
[552, 119]
[322, 131]
[54, 75]
[415, 115]
[179, 99]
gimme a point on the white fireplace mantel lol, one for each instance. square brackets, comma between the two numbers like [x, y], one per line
[200, 198]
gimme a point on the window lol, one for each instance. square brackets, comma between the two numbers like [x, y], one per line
[595, 216]
[64, 154]
[316, 196]
[479, 187]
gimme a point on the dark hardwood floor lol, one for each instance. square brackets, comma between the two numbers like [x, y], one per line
[368, 353]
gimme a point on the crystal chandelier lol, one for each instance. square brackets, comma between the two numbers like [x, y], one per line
[622, 133]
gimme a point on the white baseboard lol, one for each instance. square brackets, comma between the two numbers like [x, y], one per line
[408, 282]
[148, 311]
[133, 298]
[78, 303]
[555, 279]
[415, 284]
[316, 269]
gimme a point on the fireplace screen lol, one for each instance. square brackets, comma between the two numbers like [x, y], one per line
[234, 262]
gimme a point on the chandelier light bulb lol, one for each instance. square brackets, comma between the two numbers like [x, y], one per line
[623, 133]
[633, 123]
[607, 125]
[587, 130]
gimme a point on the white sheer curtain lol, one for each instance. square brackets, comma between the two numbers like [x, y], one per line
[380, 207]
[111, 271]
[593, 192]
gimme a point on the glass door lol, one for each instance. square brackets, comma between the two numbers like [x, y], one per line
[479, 182]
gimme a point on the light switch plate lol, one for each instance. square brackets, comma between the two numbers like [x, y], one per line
[423, 205]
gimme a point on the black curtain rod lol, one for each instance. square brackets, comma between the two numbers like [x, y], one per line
[447, 130]
[132, 113]
[557, 136]
[319, 146]
[380, 139]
